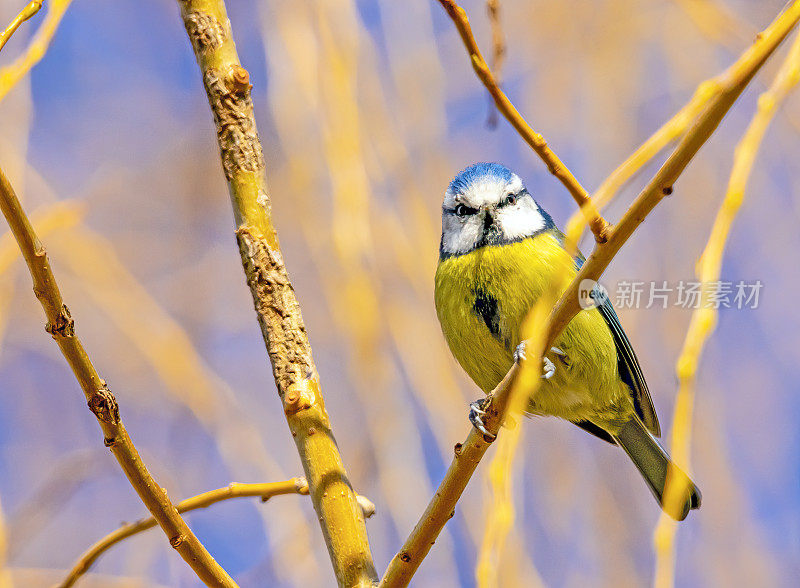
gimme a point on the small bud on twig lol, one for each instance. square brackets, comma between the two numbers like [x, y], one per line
[238, 80]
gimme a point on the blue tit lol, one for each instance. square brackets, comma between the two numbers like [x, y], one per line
[499, 252]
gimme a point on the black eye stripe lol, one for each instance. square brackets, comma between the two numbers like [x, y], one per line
[509, 199]
[461, 210]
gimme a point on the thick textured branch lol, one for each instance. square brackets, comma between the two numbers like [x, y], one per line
[100, 399]
[228, 88]
[537, 142]
[403, 566]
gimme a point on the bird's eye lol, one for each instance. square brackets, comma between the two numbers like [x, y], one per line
[462, 210]
[510, 199]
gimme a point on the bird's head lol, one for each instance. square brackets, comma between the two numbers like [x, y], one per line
[487, 204]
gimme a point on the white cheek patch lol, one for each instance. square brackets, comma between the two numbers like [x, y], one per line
[520, 220]
[460, 236]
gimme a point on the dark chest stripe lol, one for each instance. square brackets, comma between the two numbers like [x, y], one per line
[485, 307]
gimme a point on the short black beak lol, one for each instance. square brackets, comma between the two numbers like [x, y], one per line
[488, 221]
[491, 232]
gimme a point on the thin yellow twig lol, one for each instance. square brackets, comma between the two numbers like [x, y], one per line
[704, 318]
[234, 490]
[498, 51]
[100, 399]
[467, 455]
[13, 73]
[537, 142]
[30, 9]
[228, 88]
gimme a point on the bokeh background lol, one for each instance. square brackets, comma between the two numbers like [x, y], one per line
[366, 110]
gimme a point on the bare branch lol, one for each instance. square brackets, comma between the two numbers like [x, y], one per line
[100, 399]
[30, 9]
[228, 88]
[498, 52]
[403, 566]
[537, 142]
[234, 490]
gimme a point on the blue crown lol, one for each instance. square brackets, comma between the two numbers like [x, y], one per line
[479, 171]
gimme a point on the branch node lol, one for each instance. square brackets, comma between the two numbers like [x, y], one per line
[105, 407]
[239, 80]
[602, 235]
[298, 397]
[64, 325]
[176, 541]
[111, 442]
[367, 506]
[301, 484]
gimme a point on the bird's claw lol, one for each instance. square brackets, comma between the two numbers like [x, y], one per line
[477, 409]
[519, 353]
[548, 368]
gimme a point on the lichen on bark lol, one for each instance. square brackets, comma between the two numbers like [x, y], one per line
[233, 116]
[205, 31]
[277, 309]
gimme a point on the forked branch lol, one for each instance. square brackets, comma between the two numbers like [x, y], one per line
[403, 566]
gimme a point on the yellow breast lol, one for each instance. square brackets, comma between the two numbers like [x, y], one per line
[482, 298]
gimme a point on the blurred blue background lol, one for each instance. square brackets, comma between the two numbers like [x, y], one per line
[366, 110]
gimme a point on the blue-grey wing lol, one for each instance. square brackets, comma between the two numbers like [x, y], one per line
[627, 364]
